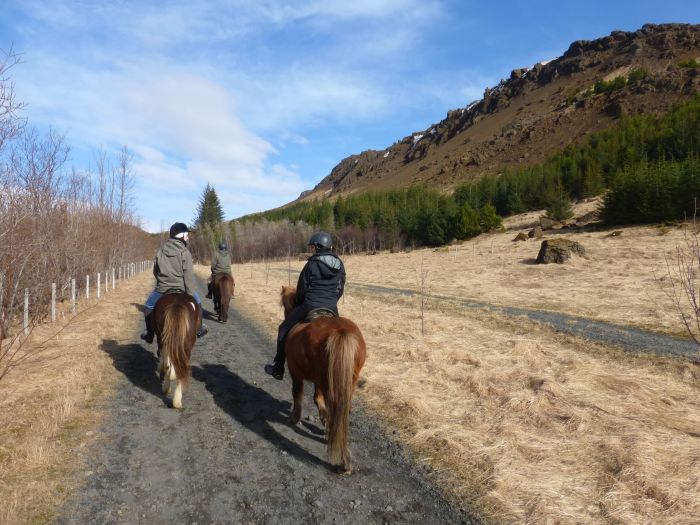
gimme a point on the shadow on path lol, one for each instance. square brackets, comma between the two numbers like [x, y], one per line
[255, 409]
[136, 363]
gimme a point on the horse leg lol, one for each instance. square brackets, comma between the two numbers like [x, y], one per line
[321, 405]
[177, 396]
[165, 373]
[297, 395]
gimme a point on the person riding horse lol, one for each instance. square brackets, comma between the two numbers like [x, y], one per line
[174, 274]
[320, 285]
[220, 263]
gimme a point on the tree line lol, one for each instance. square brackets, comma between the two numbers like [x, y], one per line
[645, 166]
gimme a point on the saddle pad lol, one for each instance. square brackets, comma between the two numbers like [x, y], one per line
[318, 312]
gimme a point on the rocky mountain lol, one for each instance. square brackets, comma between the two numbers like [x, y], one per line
[536, 112]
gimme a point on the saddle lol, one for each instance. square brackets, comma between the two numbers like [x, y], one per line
[318, 312]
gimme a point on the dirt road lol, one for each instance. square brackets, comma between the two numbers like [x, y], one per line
[230, 457]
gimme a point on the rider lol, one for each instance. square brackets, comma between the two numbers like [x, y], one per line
[320, 285]
[220, 263]
[174, 273]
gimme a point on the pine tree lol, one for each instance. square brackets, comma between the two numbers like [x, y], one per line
[209, 211]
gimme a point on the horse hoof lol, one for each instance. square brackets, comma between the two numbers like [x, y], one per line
[293, 421]
[342, 470]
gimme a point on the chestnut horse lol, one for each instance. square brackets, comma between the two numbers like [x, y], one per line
[222, 286]
[330, 352]
[176, 317]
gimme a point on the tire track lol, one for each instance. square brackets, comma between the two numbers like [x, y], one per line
[628, 338]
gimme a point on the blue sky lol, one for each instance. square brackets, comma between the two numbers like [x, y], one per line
[262, 98]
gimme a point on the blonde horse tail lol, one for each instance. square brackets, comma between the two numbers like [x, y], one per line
[175, 328]
[341, 348]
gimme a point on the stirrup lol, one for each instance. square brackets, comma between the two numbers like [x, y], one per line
[203, 330]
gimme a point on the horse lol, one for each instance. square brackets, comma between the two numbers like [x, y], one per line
[330, 352]
[222, 286]
[176, 317]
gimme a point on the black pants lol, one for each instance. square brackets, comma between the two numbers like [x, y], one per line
[296, 316]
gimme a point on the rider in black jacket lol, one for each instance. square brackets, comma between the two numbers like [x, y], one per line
[320, 285]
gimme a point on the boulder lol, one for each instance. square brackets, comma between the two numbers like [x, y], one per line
[558, 251]
[520, 237]
[535, 233]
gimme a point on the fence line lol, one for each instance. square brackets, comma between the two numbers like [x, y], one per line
[126, 272]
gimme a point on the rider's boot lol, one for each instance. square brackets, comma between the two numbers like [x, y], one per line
[275, 370]
[202, 330]
[147, 334]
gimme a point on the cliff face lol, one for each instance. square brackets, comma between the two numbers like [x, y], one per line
[536, 112]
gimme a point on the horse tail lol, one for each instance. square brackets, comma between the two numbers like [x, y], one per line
[341, 347]
[175, 328]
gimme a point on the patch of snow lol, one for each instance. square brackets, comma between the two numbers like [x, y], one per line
[386, 154]
[545, 62]
[416, 138]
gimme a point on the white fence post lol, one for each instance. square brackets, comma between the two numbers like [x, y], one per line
[53, 302]
[87, 287]
[99, 280]
[72, 294]
[26, 311]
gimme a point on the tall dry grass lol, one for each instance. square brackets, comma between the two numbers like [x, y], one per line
[520, 423]
[51, 404]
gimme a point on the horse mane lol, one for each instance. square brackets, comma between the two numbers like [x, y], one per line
[288, 297]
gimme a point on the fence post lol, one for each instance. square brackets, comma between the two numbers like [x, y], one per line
[72, 294]
[87, 287]
[112, 278]
[26, 311]
[53, 302]
[99, 280]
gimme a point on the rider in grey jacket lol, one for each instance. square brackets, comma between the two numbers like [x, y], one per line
[174, 273]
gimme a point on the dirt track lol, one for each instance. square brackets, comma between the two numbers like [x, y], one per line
[230, 457]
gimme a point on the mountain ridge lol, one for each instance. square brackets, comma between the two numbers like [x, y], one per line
[534, 113]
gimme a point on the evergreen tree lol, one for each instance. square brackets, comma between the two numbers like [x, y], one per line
[209, 211]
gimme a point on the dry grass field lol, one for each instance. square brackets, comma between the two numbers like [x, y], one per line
[524, 424]
[50, 404]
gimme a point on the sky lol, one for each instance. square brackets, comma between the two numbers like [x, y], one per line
[261, 99]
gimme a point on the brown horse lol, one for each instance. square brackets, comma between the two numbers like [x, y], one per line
[330, 352]
[176, 317]
[222, 286]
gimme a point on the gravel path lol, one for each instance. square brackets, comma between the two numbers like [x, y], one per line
[627, 338]
[230, 457]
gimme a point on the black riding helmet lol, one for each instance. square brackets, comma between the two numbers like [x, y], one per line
[222, 246]
[321, 240]
[178, 228]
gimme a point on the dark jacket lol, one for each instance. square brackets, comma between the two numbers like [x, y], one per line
[173, 268]
[322, 281]
[221, 262]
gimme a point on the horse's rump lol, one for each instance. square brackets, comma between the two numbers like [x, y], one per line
[176, 322]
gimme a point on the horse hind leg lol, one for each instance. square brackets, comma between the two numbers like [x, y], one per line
[297, 395]
[320, 401]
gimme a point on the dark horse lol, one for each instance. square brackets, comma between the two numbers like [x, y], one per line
[176, 317]
[330, 352]
[222, 286]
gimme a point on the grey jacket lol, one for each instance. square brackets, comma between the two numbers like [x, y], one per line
[173, 268]
[221, 262]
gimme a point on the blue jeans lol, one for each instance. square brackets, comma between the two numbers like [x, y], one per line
[153, 299]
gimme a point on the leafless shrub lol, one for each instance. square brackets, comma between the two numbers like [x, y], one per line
[681, 283]
[55, 223]
[423, 282]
